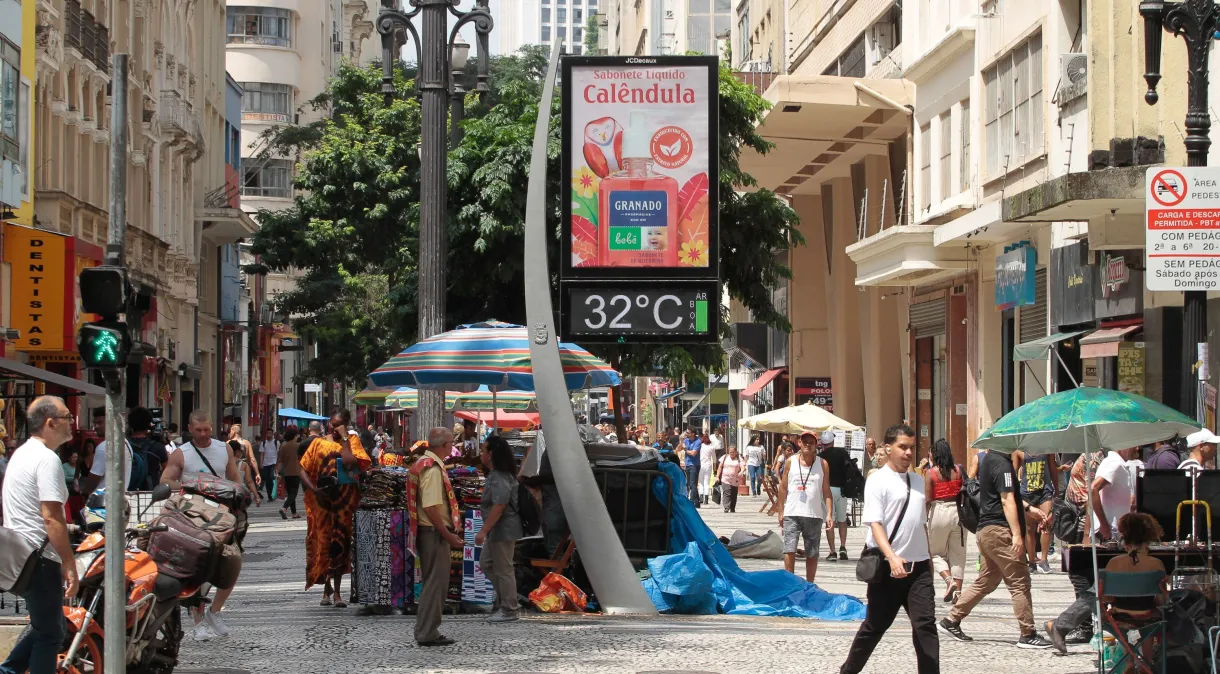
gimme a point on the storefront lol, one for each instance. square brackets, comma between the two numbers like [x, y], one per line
[1112, 355]
[1020, 297]
[939, 323]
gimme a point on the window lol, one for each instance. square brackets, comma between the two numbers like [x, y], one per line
[266, 102]
[578, 16]
[546, 14]
[1013, 119]
[562, 16]
[964, 160]
[576, 50]
[10, 98]
[260, 25]
[546, 33]
[946, 155]
[699, 6]
[850, 63]
[576, 32]
[272, 178]
[563, 33]
[925, 166]
[744, 47]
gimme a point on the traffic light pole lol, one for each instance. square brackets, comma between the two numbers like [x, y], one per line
[115, 657]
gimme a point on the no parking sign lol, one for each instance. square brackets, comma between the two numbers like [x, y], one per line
[1182, 228]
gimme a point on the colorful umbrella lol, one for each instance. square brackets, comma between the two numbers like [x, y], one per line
[497, 357]
[485, 399]
[404, 397]
[372, 395]
[1085, 419]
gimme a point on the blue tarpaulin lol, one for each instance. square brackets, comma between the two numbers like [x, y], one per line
[680, 584]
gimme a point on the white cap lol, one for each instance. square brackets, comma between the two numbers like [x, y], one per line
[828, 437]
[1200, 437]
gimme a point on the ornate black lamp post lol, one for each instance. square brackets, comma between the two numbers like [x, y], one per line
[439, 53]
[1195, 21]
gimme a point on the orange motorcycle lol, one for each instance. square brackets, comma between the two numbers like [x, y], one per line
[153, 631]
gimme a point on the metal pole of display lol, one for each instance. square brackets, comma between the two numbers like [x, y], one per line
[614, 580]
[1196, 22]
[115, 595]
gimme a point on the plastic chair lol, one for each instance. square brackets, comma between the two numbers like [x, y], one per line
[1213, 640]
[1132, 584]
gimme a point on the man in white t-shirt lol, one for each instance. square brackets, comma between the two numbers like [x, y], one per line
[270, 456]
[98, 471]
[895, 513]
[755, 455]
[34, 497]
[1111, 492]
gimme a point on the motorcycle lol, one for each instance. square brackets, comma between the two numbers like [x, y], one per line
[153, 630]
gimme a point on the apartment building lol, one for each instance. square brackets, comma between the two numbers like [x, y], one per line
[658, 27]
[176, 112]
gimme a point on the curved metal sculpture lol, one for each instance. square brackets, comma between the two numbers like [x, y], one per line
[618, 589]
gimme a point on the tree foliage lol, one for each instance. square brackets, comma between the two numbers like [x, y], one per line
[353, 233]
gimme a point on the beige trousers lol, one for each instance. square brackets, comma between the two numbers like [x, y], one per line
[946, 539]
[497, 562]
[999, 564]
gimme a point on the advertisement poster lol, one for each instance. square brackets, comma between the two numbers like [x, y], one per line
[640, 146]
[1131, 367]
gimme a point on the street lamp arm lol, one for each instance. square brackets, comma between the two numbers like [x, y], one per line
[388, 22]
[480, 16]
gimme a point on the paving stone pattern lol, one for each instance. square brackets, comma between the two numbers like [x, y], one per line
[278, 628]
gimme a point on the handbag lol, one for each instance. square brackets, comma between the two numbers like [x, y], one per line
[18, 559]
[871, 567]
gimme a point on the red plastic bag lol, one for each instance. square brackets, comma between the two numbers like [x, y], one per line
[557, 594]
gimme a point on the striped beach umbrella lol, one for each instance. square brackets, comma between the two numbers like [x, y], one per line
[496, 357]
[404, 398]
[372, 395]
[486, 399]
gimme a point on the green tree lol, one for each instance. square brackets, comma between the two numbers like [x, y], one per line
[353, 234]
[591, 34]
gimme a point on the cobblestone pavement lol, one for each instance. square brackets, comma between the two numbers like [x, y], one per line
[279, 628]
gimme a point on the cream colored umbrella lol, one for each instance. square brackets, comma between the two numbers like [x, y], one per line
[797, 419]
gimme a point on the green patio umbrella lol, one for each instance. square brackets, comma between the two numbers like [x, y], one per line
[1085, 419]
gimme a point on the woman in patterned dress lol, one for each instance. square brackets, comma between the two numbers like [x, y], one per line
[331, 499]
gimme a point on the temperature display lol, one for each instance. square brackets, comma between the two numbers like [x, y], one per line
[686, 312]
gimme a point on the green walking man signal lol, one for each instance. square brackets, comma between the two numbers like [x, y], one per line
[104, 344]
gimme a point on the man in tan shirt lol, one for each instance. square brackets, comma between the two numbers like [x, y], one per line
[436, 539]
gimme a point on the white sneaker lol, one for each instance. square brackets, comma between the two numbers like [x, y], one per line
[204, 632]
[216, 624]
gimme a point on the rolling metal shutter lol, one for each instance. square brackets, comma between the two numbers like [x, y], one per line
[928, 319]
[1033, 317]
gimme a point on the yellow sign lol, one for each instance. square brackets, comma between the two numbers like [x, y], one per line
[38, 271]
[1131, 367]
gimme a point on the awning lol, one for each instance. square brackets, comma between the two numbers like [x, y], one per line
[1039, 349]
[1103, 343]
[674, 393]
[39, 374]
[763, 379]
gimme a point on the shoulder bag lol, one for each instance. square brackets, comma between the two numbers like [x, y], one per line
[18, 559]
[871, 567]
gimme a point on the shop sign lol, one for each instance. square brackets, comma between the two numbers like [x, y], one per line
[1072, 296]
[1015, 271]
[816, 390]
[1131, 367]
[39, 271]
[1120, 287]
[639, 261]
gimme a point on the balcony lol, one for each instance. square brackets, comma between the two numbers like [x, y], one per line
[175, 114]
[72, 23]
[905, 255]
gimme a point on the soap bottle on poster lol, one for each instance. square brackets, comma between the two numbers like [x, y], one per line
[638, 207]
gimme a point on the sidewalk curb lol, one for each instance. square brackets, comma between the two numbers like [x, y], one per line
[10, 629]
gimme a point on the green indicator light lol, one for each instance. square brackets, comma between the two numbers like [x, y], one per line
[104, 345]
[700, 315]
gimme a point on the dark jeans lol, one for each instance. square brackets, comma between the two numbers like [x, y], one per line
[728, 498]
[756, 473]
[291, 484]
[692, 484]
[1080, 613]
[268, 475]
[38, 647]
[913, 593]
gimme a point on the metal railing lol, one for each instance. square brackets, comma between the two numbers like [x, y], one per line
[88, 48]
[173, 111]
[264, 40]
[72, 23]
[101, 50]
[222, 197]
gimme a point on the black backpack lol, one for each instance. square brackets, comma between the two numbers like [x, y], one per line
[968, 505]
[527, 510]
[853, 481]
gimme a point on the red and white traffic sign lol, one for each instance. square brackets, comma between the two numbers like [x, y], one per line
[1182, 228]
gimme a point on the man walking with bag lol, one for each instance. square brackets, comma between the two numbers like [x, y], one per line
[34, 496]
[895, 512]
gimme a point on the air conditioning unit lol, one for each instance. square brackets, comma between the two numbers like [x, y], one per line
[337, 46]
[1073, 75]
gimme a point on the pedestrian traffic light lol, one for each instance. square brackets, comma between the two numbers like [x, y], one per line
[104, 344]
[104, 290]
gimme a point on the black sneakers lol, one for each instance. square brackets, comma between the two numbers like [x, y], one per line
[1033, 641]
[842, 554]
[953, 629]
[1079, 636]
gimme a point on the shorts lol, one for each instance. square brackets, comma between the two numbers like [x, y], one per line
[810, 528]
[1037, 498]
[839, 504]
